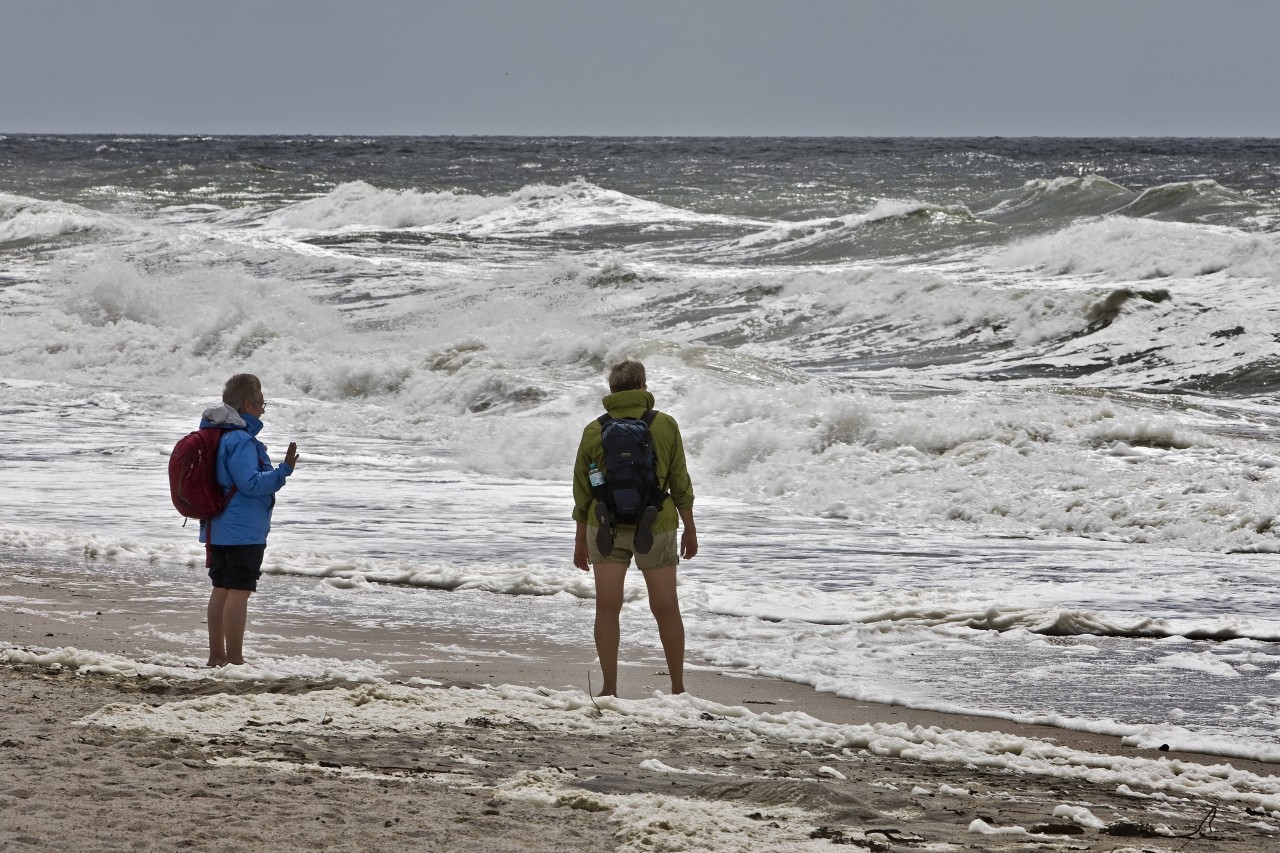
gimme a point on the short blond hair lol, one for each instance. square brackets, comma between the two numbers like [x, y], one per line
[240, 390]
[626, 375]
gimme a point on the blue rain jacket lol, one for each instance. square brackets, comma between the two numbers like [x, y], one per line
[243, 460]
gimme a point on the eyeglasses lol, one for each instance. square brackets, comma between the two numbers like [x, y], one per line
[261, 404]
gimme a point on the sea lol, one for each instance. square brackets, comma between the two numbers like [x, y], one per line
[975, 425]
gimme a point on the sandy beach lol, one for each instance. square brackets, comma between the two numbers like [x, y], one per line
[115, 739]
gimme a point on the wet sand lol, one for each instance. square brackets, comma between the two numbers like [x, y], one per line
[72, 778]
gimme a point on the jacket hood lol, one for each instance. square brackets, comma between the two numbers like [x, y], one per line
[223, 416]
[628, 404]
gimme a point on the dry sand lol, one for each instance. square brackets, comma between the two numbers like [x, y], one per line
[71, 784]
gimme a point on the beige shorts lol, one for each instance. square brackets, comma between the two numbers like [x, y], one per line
[664, 552]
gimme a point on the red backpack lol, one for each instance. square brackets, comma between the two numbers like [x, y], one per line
[193, 481]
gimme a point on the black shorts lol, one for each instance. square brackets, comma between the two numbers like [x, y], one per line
[236, 566]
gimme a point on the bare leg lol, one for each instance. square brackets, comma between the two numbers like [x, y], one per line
[227, 615]
[235, 616]
[609, 581]
[217, 639]
[665, 605]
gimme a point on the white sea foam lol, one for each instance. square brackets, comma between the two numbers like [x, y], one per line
[534, 209]
[169, 666]
[360, 206]
[1079, 815]
[387, 708]
[790, 237]
[33, 219]
[1140, 250]
[655, 822]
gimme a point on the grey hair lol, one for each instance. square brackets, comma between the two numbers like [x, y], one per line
[241, 389]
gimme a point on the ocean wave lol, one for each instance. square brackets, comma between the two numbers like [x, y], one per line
[1190, 201]
[115, 324]
[441, 353]
[874, 319]
[536, 210]
[361, 206]
[1254, 379]
[1061, 466]
[1126, 249]
[27, 219]
[581, 206]
[873, 233]
[1046, 200]
[494, 367]
[947, 611]
[912, 324]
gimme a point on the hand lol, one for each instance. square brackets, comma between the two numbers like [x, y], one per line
[689, 543]
[580, 555]
[291, 457]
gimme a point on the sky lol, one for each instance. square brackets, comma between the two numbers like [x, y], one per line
[645, 67]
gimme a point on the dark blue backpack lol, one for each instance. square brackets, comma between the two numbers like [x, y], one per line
[630, 469]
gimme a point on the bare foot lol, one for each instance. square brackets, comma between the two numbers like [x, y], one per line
[215, 663]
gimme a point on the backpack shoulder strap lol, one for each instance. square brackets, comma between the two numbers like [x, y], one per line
[604, 419]
[662, 495]
[222, 459]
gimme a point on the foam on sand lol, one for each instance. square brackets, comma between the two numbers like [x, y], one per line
[387, 708]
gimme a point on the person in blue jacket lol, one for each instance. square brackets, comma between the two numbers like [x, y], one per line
[236, 540]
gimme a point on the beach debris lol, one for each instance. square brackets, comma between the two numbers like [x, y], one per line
[1056, 829]
[599, 712]
[897, 836]
[837, 836]
[763, 817]
[1133, 829]
[1204, 828]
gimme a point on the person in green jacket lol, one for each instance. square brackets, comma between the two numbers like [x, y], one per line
[630, 398]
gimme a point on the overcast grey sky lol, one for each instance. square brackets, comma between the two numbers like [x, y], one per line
[647, 67]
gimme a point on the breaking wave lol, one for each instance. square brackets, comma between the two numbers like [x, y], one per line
[32, 220]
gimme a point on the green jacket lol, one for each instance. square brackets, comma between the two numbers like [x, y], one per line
[668, 447]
